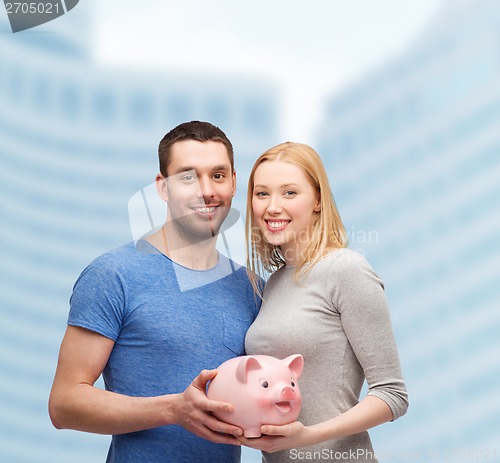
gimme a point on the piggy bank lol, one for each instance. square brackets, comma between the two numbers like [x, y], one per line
[262, 390]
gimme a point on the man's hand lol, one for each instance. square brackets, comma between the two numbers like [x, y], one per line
[193, 413]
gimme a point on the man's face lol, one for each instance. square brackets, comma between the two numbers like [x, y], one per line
[199, 188]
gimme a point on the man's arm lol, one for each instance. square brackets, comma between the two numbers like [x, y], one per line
[75, 403]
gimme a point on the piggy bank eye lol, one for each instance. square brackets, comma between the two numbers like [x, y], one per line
[292, 382]
[264, 383]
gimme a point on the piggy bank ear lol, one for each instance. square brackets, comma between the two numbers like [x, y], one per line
[295, 363]
[247, 363]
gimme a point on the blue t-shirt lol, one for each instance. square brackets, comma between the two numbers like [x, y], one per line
[168, 323]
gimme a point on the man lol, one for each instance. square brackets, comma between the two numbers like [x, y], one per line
[150, 316]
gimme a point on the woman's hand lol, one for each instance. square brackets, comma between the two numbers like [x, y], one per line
[275, 438]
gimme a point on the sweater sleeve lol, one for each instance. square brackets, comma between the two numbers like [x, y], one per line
[358, 295]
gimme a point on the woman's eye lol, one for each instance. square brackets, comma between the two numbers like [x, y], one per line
[290, 193]
[260, 194]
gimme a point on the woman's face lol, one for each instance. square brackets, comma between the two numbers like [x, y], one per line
[284, 206]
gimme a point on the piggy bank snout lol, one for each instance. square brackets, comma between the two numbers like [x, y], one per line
[288, 400]
[287, 393]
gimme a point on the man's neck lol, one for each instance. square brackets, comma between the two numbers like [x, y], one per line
[200, 255]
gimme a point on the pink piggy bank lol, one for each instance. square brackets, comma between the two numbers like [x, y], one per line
[262, 389]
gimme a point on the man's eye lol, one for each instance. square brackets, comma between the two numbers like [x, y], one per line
[218, 176]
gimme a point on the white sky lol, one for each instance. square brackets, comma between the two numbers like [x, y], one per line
[310, 47]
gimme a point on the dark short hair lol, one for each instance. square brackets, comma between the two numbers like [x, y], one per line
[194, 130]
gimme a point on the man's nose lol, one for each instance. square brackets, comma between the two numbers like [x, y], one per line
[206, 188]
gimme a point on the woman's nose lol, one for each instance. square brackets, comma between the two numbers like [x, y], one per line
[274, 206]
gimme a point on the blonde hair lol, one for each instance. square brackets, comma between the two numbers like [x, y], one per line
[327, 231]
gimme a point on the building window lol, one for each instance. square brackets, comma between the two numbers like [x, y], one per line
[70, 100]
[141, 109]
[103, 106]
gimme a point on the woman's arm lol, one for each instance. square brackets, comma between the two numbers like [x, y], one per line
[370, 412]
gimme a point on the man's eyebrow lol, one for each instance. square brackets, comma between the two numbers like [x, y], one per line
[222, 167]
[184, 169]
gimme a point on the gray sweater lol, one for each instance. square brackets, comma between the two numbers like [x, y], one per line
[336, 316]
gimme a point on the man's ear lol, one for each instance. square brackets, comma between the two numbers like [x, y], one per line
[161, 187]
[234, 184]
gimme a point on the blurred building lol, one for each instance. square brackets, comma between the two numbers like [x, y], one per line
[413, 150]
[77, 141]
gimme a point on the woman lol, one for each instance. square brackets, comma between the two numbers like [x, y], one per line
[323, 301]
